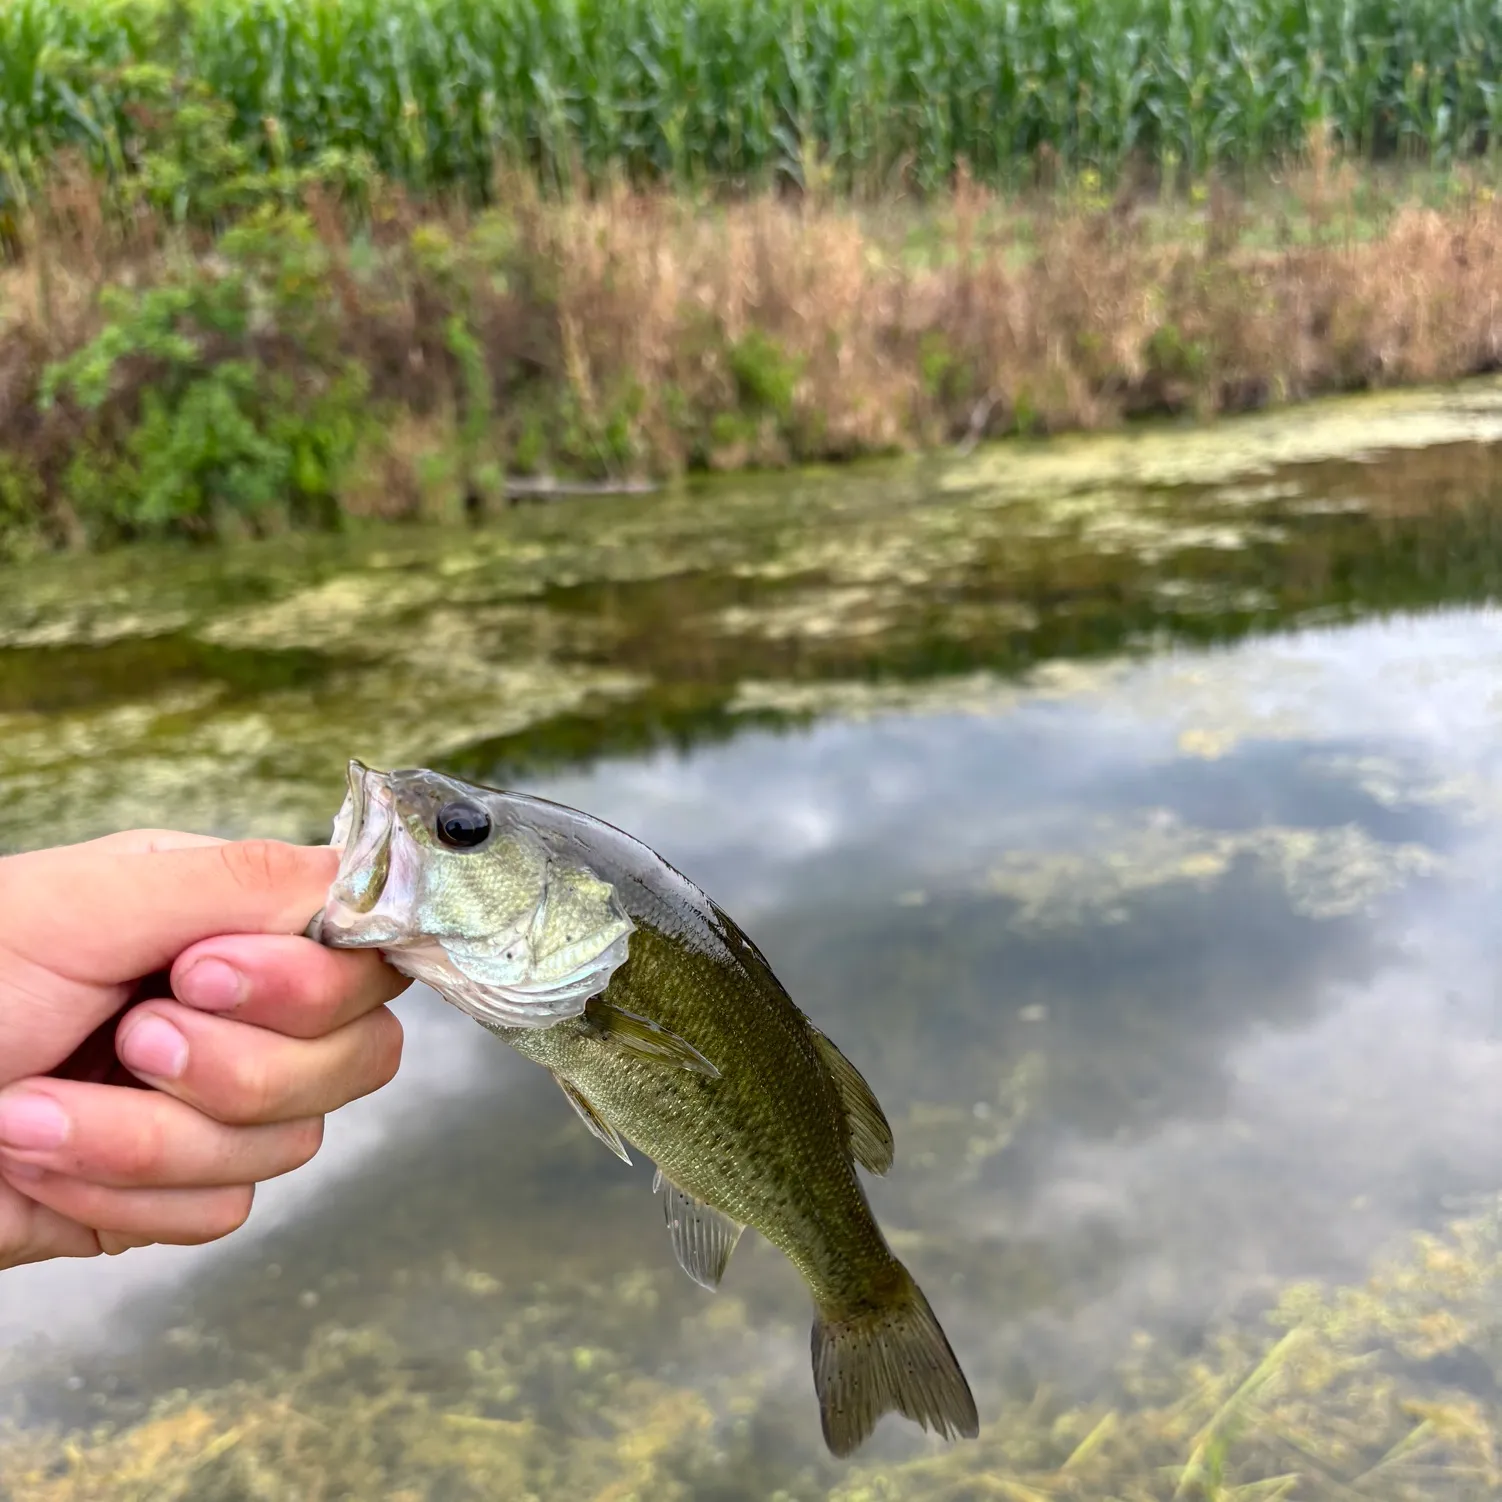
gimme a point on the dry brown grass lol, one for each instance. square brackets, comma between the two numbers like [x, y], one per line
[1102, 322]
[630, 333]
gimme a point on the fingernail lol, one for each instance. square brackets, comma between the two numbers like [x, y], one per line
[14, 1169]
[33, 1123]
[211, 986]
[154, 1047]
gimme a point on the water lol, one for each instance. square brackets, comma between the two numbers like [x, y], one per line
[1128, 811]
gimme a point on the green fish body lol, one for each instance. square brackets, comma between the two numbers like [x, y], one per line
[664, 1025]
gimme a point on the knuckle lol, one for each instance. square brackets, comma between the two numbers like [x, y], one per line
[386, 1047]
[344, 984]
[253, 1095]
[236, 1209]
[304, 1140]
[138, 1150]
[329, 987]
[112, 1243]
[261, 865]
[389, 983]
[13, 1238]
[221, 1216]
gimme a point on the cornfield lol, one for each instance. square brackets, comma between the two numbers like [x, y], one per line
[438, 92]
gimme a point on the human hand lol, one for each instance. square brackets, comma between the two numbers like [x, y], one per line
[263, 1032]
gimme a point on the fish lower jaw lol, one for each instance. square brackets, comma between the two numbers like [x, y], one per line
[342, 927]
[490, 1005]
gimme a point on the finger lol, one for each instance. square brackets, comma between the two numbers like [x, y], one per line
[176, 1217]
[30, 1232]
[284, 982]
[112, 1243]
[143, 909]
[94, 1058]
[146, 907]
[241, 1074]
[134, 1139]
[148, 841]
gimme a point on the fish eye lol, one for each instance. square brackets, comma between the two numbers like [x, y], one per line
[461, 826]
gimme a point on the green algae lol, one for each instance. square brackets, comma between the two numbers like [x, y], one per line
[1231, 453]
[50, 679]
[1331, 872]
[224, 688]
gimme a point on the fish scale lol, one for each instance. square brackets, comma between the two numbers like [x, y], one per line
[766, 1143]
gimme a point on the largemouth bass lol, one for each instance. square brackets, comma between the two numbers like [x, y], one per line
[664, 1025]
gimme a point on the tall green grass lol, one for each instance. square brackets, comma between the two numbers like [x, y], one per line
[439, 90]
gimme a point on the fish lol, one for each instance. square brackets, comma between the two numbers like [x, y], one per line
[665, 1027]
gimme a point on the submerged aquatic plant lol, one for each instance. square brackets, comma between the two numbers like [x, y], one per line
[1381, 1390]
[1385, 1390]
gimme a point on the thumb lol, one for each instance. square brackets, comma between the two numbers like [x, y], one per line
[102, 915]
[80, 924]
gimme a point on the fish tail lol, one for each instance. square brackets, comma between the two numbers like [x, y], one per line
[887, 1354]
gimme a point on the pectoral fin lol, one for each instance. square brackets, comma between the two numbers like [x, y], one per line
[703, 1237]
[645, 1039]
[870, 1136]
[594, 1121]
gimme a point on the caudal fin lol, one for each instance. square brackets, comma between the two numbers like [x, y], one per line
[892, 1356]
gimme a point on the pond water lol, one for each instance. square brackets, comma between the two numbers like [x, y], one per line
[1129, 810]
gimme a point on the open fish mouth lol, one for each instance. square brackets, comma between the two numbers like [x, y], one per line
[351, 815]
[363, 833]
[366, 862]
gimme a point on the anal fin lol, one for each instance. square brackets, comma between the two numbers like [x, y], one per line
[870, 1135]
[703, 1237]
[594, 1121]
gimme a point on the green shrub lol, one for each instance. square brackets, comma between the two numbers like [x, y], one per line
[21, 510]
[765, 376]
[195, 419]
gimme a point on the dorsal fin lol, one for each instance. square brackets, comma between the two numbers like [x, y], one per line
[870, 1136]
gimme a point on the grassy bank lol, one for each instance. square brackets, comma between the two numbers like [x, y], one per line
[881, 93]
[326, 354]
[280, 262]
